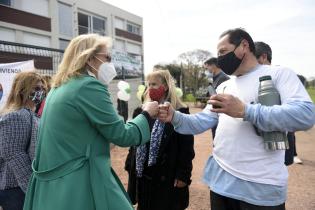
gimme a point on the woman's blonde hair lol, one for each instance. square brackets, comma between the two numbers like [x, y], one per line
[77, 54]
[168, 81]
[22, 87]
[47, 79]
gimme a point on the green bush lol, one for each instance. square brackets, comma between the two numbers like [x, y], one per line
[190, 98]
[311, 92]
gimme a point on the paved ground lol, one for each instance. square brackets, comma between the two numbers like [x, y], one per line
[301, 193]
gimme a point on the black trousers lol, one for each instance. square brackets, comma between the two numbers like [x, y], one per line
[291, 152]
[12, 199]
[219, 202]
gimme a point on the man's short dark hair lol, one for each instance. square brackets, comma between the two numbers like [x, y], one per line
[212, 61]
[237, 35]
[261, 48]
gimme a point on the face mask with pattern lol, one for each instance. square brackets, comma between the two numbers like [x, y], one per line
[37, 96]
[156, 93]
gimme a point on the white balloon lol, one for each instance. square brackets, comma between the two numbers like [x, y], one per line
[179, 92]
[122, 95]
[122, 85]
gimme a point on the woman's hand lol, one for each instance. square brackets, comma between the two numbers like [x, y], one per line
[152, 108]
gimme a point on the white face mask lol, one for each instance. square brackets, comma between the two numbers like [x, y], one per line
[106, 73]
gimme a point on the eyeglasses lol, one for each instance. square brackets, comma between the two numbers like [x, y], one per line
[107, 56]
[39, 88]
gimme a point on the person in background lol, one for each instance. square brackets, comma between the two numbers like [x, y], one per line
[122, 108]
[18, 134]
[264, 56]
[40, 109]
[218, 77]
[1, 91]
[72, 167]
[242, 174]
[163, 166]
[263, 53]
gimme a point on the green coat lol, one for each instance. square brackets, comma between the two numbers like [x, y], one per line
[72, 167]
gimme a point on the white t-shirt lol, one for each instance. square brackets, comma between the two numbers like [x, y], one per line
[237, 147]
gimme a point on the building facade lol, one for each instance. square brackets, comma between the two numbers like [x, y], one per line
[49, 25]
[52, 23]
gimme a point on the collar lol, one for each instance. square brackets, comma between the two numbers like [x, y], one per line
[91, 74]
[250, 71]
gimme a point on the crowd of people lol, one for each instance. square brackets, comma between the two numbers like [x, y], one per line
[70, 122]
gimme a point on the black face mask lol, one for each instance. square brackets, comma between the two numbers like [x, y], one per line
[229, 62]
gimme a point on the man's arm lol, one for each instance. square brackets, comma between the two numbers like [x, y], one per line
[297, 111]
[194, 123]
[293, 116]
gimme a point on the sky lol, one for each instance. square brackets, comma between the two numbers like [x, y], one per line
[172, 27]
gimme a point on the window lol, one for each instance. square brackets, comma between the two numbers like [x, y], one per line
[65, 19]
[7, 34]
[84, 23]
[63, 44]
[36, 39]
[119, 45]
[5, 2]
[91, 24]
[133, 28]
[133, 48]
[38, 7]
[98, 26]
[119, 23]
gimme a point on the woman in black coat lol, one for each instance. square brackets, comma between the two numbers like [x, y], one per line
[161, 169]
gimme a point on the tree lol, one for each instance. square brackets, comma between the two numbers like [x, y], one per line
[188, 70]
[195, 57]
[192, 69]
[174, 69]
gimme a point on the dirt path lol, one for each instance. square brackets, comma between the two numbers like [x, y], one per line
[301, 191]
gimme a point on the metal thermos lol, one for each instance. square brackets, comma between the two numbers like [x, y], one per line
[268, 95]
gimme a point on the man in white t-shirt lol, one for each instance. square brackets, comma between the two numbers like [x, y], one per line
[242, 174]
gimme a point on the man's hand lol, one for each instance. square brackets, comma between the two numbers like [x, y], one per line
[178, 183]
[227, 104]
[152, 108]
[166, 112]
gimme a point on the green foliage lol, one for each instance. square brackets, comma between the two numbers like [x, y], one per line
[190, 98]
[174, 69]
[311, 92]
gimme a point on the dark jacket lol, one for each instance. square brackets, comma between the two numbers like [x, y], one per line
[155, 189]
[219, 78]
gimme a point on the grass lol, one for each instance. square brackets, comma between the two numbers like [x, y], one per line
[311, 92]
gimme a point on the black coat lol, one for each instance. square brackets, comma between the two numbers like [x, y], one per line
[155, 189]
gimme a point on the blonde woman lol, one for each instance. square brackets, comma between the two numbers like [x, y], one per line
[163, 166]
[18, 133]
[72, 168]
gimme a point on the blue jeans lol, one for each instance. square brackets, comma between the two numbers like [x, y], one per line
[12, 199]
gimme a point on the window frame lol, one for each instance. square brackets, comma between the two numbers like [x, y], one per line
[90, 28]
